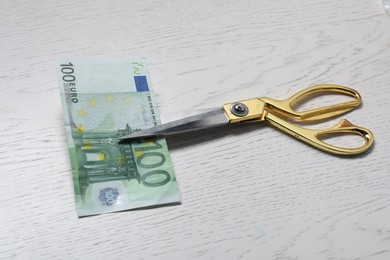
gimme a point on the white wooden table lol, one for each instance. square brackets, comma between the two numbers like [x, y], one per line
[252, 195]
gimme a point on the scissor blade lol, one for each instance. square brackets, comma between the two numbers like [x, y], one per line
[209, 119]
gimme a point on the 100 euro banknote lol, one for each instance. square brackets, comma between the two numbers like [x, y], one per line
[104, 99]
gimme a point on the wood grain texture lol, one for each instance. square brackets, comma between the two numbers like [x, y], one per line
[247, 194]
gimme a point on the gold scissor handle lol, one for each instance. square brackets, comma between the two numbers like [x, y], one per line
[285, 108]
[278, 112]
[313, 137]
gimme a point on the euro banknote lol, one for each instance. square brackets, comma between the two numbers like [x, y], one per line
[102, 100]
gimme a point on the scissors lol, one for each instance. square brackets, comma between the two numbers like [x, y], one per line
[279, 114]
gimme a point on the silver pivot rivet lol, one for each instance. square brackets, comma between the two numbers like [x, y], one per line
[239, 109]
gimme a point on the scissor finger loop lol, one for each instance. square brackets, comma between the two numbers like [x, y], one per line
[286, 107]
[345, 127]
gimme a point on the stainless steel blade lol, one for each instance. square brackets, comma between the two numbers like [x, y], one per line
[209, 119]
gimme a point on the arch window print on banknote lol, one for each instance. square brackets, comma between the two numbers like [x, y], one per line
[103, 100]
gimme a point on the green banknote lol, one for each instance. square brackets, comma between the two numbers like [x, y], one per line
[104, 99]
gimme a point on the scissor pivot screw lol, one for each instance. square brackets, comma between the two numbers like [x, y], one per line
[239, 109]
